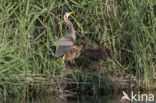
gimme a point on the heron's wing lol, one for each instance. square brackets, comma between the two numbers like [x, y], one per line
[66, 40]
[62, 50]
[64, 45]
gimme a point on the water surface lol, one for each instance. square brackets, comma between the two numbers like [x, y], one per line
[113, 98]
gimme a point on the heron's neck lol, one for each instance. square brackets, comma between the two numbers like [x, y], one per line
[70, 26]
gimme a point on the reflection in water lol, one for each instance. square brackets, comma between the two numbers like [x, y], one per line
[72, 99]
[112, 98]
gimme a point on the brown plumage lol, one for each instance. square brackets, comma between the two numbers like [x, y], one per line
[96, 54]
[73, 53]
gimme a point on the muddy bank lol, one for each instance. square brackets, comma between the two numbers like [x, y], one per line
[88, 84]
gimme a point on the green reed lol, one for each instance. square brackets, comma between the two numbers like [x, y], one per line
[29, 27]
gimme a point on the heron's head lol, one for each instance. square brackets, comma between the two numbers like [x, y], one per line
[68, 13]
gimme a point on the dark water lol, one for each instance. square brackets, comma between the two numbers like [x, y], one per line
[115, 98]
[110, 98]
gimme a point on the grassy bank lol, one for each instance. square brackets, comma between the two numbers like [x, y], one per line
[29, 27]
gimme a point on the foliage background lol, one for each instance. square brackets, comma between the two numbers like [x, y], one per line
[29, 27]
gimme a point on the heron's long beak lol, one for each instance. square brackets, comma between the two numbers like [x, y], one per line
[69, 13]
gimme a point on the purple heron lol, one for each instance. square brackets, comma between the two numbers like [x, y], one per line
[67, 41]
[66, 45]
[96, 54]
[73, 53]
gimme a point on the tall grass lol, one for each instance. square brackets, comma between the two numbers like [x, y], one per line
[29, 27]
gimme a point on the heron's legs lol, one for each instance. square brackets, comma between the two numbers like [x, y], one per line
[63, 61]
[73, 62]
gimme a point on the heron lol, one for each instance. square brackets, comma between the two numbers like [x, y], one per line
[66, 44]
[96, 54]
[73, 53]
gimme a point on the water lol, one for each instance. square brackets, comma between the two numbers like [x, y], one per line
[115, 98]
[66, 98]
